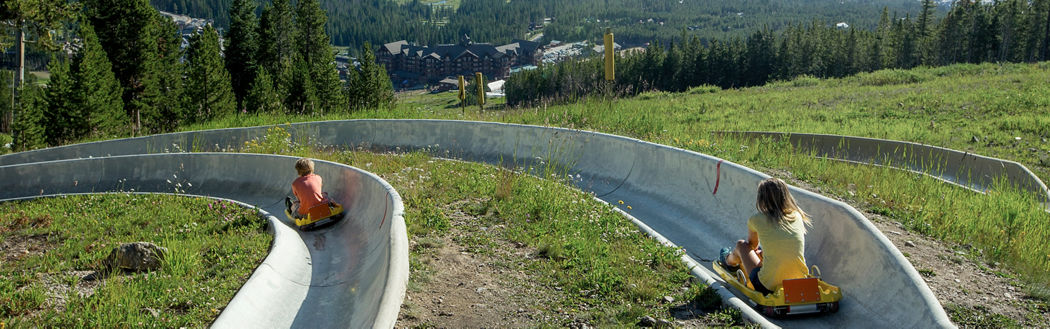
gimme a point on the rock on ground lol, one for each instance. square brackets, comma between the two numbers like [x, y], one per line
[136, 256]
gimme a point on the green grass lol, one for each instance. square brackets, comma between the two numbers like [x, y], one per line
[212, 249]
[943, 106]
[978, 317]
[4, 140]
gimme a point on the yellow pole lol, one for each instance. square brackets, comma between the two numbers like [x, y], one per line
[610, 64]
[480, 80]
[462, 93]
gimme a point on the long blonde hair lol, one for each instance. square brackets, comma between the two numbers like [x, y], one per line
[775, 200]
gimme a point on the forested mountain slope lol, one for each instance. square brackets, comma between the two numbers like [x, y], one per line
[352, 22]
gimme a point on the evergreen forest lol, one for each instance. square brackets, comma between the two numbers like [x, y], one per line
[118, 69]
[354, 22]
[970, 32]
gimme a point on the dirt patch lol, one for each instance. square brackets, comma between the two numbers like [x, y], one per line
[61, 286]
[17, 247]
[58, 286]
[472, 277]
[952, 272]
[460, 287]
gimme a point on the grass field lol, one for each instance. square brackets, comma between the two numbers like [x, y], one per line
[51, 244]
[949, 106]
[946, 106]
[612, 272]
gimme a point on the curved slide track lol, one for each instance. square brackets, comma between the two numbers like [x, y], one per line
[351, 275]
[685, 198]
[965, 169]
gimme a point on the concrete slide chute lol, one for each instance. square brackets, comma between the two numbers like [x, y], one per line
[693, 200]
[962, 168]
[350, 275]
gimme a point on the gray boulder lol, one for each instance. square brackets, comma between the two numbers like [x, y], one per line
[136, 256]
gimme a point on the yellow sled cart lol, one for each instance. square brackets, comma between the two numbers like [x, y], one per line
[317, 216]
[796, 296]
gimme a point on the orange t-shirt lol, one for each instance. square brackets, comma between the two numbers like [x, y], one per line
[308, 190]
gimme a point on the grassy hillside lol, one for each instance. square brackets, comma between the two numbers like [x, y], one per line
[946, 106]
[52, 245]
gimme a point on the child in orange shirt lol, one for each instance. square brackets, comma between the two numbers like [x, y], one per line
[307, 189]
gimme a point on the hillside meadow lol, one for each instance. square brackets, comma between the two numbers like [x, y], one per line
[999, 110]
[989, 109]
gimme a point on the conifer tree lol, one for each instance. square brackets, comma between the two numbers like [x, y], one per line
[370, 86]
[276, 35]
[759, 57]
[127, 31]
[302, 95]
[162, 80]
[28, 125]
[97, 92]
[924, 28]
[241, 47]
[208, 91]
[316, 52]
[261, 97]
[1042, 6]
[62, 117]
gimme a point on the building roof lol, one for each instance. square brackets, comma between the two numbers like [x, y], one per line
[395, 47]
[519, 46]
[454, 51]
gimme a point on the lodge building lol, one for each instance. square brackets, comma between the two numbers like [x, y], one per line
[410, 64]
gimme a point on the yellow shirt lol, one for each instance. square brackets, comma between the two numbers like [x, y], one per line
[782, 249]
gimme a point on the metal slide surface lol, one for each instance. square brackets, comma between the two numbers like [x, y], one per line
[693, 200]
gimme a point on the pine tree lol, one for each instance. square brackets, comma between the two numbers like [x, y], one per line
[28, 125]
[208, 91]
[62, 118]
[97, 92]
[163, 79]
[261, 97]
[1044, 6]
[315, 50]
[276, 37]
[759, 57]
[302, 95]
[370, 86]
[924, 44]
[127, 31]
[241, 47]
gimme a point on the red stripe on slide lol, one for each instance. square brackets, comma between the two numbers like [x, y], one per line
[718, 176]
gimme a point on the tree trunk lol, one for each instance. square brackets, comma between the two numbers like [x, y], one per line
[18, 77]
[1046, 36]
